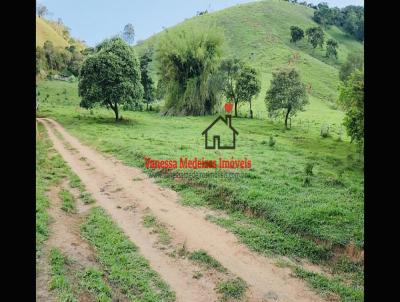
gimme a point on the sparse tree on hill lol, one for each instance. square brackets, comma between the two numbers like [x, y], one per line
[248, 85]
[296, 34]
[351, 100]
[315, 36]
[42, 10]
[286, 93]
[129, 33]
[331, 46]
[111, 76]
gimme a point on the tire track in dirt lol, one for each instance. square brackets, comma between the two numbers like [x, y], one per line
[267, 281]
[179, 275]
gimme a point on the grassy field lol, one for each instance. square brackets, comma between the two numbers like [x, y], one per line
[302, 198]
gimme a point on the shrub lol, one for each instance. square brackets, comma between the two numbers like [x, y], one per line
[325, 131]
[272, 141]
[309, 169]
[307, 181]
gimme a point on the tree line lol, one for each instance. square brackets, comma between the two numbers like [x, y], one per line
[194, 79]
[316, 37]
[50, 60]
[349, 18]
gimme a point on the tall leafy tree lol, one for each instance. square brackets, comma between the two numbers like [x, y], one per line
[230, 70]
[111, 76]
[315, 36]
[331, 48]
[286, 94]
[296, 34]
[187, 60]
[248, 85]
[351, 100]
[129, 33]
[147, 81]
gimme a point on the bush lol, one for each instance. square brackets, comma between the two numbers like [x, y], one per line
[133, 106]
[309, 169]
[307, 181]
[272, 141]
[325, 131]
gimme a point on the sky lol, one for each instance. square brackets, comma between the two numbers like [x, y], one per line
[95, 20]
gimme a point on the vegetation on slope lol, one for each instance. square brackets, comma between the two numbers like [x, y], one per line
[259, 33]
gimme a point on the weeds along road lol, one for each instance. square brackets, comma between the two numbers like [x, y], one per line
[117, 187]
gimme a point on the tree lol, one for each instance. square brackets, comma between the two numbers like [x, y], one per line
[331, 46]
[315, 36]
[248, 85]
[111, 76]
[146, 79]
[353, 62]
[286, 93]
[351, 100]
[230, 70]
[42, 10]
[296, 34]
[324, 15]
[129, 33]
[160, 90]
[187, 60]
[41, 62]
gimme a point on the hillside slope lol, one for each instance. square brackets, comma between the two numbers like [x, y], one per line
[259, 33]
[44, 32]
[51, 31]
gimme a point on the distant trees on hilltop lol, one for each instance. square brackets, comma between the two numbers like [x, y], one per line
[349, 18]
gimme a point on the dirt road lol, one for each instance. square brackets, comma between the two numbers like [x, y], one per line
[117, 187]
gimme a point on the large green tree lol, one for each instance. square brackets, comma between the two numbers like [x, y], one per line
[111, 76]
[331, 48]
[296, 34]
[351, 100]
[315, 36]
[286, 94]
[187, 60]
[248, 85]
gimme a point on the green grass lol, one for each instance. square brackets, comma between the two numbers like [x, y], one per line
[202, 257]
[120, 257]
[59, 280]
[326, 286]
[150, 221]
[232, 289]
[271, 208]
[68, 201]
[92, 280]
[87, 198]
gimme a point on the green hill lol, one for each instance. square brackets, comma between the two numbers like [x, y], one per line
[259, 33]
[47, 30]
